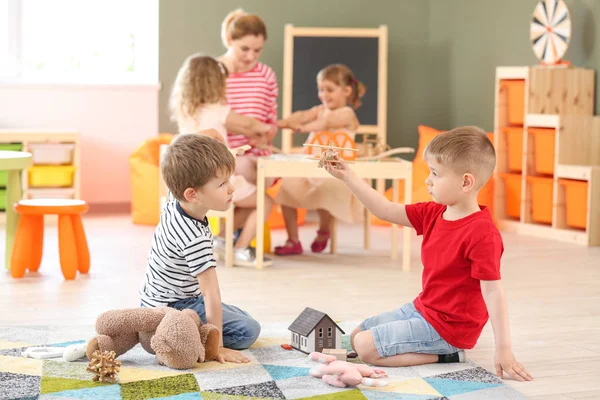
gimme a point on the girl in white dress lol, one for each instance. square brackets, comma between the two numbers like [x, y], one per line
[340, 94]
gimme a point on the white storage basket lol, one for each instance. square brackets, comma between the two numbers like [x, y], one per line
[52, 153]
[51, 193]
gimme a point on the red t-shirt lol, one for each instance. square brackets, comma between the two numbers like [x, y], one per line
[456, 255]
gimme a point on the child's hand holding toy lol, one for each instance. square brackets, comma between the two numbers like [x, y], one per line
[338, 169]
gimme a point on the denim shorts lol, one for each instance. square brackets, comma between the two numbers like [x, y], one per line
[405, 331]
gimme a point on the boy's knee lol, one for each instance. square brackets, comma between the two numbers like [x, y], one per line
[364, 345]
[246, 335]
[355, 332]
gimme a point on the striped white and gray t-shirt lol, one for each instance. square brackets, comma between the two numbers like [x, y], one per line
[182, 248]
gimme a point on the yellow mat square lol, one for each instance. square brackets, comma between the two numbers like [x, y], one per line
[408, 386]
[5, 344]
[129, 374]
[21, 365]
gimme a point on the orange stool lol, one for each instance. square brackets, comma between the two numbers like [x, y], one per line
[72, 244]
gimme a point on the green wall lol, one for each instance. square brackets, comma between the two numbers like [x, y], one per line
[473, 37]
[442, 53]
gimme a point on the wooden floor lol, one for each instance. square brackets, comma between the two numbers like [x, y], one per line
[553, 291]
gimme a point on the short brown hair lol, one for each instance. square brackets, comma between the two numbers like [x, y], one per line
[192, 160]
[239, 23]
[465, 149]
[201, 80]
[342, 76]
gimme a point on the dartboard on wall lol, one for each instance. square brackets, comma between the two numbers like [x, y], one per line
[550, 30]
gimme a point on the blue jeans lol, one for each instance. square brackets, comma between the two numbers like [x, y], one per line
[405, 331]
[240, 330]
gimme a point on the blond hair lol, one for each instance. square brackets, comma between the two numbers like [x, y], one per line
[239, 23]
[201, 80]
[192, 160]
[465, 149]
[342, 76]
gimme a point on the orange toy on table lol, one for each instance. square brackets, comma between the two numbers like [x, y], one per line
[323, 139]
[72, 244]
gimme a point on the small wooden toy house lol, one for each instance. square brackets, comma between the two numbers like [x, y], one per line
[314, 331]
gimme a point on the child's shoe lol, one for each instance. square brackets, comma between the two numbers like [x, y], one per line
[289, 248]
[318, 245]
[458, 357]
[247, 258]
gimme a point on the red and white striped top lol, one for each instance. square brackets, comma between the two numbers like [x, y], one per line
[253, 93]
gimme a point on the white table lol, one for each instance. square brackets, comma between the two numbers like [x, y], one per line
[278, 166]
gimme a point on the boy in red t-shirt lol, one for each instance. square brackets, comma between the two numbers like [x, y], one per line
[461, 254]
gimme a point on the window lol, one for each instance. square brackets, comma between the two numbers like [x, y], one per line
[108, 41]
[320, 333]
[329, 332]
[304, 341]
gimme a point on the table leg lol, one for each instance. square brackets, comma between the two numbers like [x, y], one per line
[260, 214]
[13, 195]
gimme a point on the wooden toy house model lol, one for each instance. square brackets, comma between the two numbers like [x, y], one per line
[314, 331]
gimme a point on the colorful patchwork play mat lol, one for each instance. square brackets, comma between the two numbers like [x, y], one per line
[273, 373]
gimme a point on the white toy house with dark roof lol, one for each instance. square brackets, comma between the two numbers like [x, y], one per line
[314, 331]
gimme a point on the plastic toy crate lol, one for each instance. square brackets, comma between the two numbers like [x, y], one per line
[543, 145]
[51, 176]
[512, 184]
[576, 194]
[514, 138]
[52, 193]
[52, 153]
[541, 198]
[515, 95]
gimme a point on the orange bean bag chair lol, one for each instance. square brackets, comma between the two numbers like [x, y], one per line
[421, 171]
[144, 164]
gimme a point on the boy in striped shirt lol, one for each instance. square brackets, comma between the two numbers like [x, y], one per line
[181, 267]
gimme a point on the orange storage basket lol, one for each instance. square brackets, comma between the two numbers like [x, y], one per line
[512, 183]
[576, 194]
[515, 95]
[514, 138]
[541, 199]
[543, 145]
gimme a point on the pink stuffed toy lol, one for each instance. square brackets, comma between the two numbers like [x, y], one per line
[342, 374]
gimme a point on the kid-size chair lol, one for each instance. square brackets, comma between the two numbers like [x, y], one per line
[72, 243]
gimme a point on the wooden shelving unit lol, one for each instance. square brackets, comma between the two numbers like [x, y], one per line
[551, 136]
[28, 138]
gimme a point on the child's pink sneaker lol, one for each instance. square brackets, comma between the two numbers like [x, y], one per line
[291, 247]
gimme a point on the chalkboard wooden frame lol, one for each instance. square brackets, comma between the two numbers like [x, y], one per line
[381, 33]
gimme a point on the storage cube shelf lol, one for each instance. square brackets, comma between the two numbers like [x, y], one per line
[56, 160]
[548, 161]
